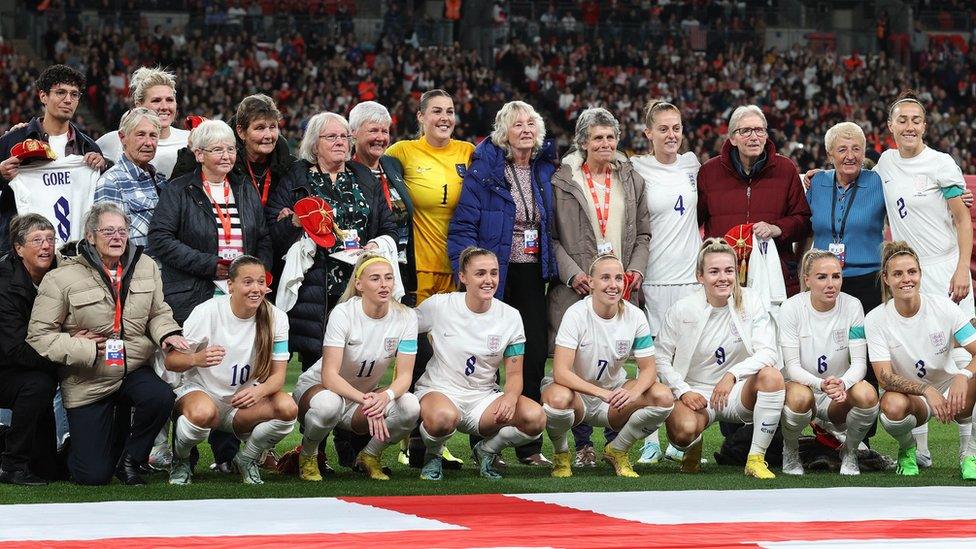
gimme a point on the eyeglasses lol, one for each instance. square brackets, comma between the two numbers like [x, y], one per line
[333, 137]
[747, 132]
[109, 232]
[62, 93]
[221, 151]
[39, 241]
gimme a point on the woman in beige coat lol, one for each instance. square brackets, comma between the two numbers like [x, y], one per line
[101, 315]
[599, 208]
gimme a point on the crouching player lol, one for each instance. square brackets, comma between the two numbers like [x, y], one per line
[366, 331]
[596, 337]
[824, 351]
[910, 338]
[717, 351]
[472, 334]
[233, 385]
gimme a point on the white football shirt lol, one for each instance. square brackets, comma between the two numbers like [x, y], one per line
[825, 339]
[166, 150]
[919, 347]
[603, 345]
[719, 349]
[61, 190]
[916, 190]
[469, 347]
[369, 344]
[215, 321]
[672, 198]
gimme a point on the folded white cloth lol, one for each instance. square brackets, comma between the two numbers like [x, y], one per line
[765, 273]
[298, 260]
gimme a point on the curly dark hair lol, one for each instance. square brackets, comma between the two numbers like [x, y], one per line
[59, 74]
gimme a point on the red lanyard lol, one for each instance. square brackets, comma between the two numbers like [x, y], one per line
[602, 214]
[117, 294]
[224, 218]
[267, 183]
[386, 189]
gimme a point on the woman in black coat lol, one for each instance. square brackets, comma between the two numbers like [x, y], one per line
[358, 202]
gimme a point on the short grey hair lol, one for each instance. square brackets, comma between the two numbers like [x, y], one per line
[212, 132]
[506, 117]
[843, 130]
[94, 216]
[368, 112]
[306, 151]
[132, 117]
[741, 112]
[595, 116]
[23, 225]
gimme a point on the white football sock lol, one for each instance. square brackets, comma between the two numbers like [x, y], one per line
[265, 436]
[859, 421]
[435, 445]
[321, 418]
[642, 421]
[900, 430]
[508, 436]
[793, 423]
[401, 418]
[765, 418]
[654, 437]
[921, 435]
[188, 435]
[558, 424]
[965, 437]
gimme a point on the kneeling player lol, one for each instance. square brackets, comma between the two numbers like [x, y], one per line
[472, 334]
[910, 338]
[233, 385]
[717, 353]
[367, 330]
[595, 338]
[822, 337]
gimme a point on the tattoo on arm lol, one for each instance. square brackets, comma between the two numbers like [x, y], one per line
[891, 381]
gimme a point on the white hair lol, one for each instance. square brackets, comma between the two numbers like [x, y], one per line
[145, 78]
[132, 117]
[741, 112]
[368, 112]
[506, 117]
[843, 130]
[595, 116]
[212, 132]
[306, 151]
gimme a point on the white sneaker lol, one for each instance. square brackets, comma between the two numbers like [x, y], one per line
[924, 460]
[650, 453]
[674, 454]
[161, 457]
[848, 462]
[791, 461]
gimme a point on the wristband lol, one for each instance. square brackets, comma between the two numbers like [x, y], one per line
[392, 395]
[966, 373]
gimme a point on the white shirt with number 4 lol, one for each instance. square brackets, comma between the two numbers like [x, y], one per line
[215, 321]
[469, 347]
[603, 345]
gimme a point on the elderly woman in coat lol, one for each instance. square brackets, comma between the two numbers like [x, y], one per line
[102, 315]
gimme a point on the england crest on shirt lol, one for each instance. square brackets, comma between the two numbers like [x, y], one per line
[623, 347]
[938, 340]
[390, 344]
[693, 181]
[494, 343]
[839, 336]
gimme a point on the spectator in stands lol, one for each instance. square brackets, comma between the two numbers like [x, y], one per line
[133, 182]
[750, 183]
[59, 89]
[154, 89]
[361, 216]
[27, 380]
[116, 403]
[204, 220]
[508, 191]
[370, 124]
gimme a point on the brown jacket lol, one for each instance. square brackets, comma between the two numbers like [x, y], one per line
[76, 296]
[574, 240]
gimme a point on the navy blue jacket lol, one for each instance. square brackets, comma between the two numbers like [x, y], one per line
[485, 214]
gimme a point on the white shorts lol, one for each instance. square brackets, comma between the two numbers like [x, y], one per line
[471, 405]
[658, 298]
[936, 277]
[225, 412]
[301, 386]
[821, 402]
[734, 412]
[596, 412]
[347, 407]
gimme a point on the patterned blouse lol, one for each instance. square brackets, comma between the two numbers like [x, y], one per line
[351, 212]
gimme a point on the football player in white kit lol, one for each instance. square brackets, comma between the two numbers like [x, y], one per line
[821, 334]
[717, 351]
[922, 189]
[672, 199]
[234, 383]
[595, 339]
[909, 340]
[472, 334]
[367, 330]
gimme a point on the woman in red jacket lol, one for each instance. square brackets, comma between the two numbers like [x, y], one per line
[750, 183]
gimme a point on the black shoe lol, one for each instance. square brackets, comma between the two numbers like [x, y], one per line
[129, 472]
[21, 478]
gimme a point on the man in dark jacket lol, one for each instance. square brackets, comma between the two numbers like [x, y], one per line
[27, 381]
[750, 183]
[59, 89]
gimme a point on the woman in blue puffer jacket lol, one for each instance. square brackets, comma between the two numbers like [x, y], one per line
[506, 207]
